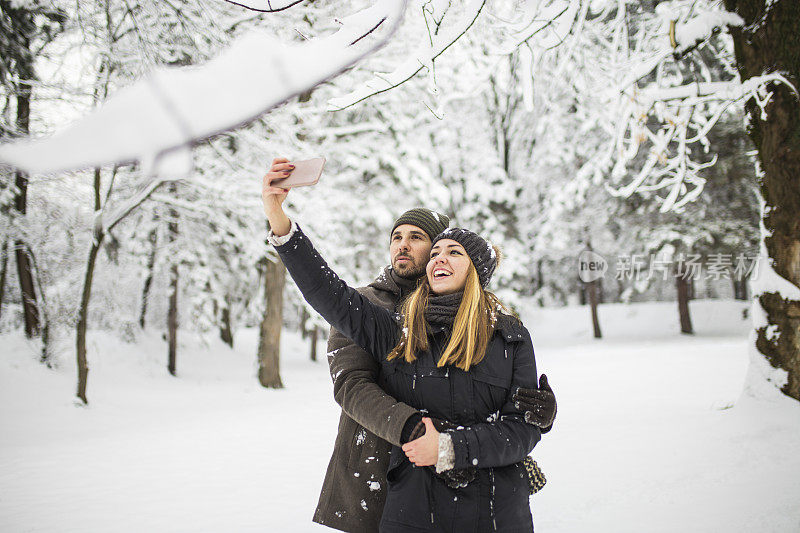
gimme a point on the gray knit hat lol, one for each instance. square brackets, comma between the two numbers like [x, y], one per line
[428, 221]
[479, 251]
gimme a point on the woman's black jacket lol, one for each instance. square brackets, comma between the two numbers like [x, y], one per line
[495, 437]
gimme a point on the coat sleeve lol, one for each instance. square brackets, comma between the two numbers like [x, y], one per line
[370, 326]
[355, 388]
[508, 439]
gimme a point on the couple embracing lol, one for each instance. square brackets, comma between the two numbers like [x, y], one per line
[436, 379]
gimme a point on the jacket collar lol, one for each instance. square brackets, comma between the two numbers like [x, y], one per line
[386, 281]
[510, 327]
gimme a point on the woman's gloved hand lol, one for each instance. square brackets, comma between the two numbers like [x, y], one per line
[539, 404]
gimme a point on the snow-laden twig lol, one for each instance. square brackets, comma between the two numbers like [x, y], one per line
[431, 47]
[157, 119]
[108, 222]
[265, 6]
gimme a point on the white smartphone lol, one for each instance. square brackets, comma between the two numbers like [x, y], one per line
[305, 173]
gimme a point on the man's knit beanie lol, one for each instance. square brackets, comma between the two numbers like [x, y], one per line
[479, 251]
[428, 221]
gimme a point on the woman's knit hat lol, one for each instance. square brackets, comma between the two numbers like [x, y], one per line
[479, 251]
[428, 221]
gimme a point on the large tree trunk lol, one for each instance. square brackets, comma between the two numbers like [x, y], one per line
[148, 281]
[269, 343]
[172, 312]
[769, 41]
[86, 294]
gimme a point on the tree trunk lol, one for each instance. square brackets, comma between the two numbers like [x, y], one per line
[739, 289]
[769, 41]
[591, 289]
[304, 316]
[225, 332]
[269, 344]
[29, 304]
[314, 335]
[3, 267]
[83, 312]
[539, 283]
[682, 285]
[172, 312]
[86, 294]
[148, 281]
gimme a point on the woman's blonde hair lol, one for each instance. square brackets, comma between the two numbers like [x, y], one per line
[472, 330]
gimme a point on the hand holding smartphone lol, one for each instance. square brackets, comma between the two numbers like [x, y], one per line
[305, 173]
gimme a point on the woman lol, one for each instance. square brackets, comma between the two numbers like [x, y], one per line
[450, 354]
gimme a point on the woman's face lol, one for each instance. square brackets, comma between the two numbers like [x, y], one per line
[448, 267]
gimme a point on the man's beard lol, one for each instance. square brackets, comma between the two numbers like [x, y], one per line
[410, 270]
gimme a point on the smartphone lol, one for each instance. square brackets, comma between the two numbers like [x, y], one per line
[305, 173]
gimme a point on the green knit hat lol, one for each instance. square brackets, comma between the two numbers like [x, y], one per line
[428, 221]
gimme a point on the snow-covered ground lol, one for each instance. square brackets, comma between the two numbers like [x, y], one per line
[651, 434]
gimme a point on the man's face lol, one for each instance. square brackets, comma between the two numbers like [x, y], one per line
[410, 248]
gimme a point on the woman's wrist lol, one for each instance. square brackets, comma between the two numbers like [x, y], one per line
[279, 223]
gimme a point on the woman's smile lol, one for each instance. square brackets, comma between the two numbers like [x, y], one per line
[448, 267]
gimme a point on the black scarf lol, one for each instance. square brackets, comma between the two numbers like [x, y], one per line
[441, 310]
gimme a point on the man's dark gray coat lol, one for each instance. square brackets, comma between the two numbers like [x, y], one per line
[354, 490]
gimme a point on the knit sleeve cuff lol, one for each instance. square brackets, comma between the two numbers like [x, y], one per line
[447, 456]
[274, 240]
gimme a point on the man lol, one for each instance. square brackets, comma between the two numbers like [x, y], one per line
[354, 489]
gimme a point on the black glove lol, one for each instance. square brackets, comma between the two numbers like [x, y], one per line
[539, 404]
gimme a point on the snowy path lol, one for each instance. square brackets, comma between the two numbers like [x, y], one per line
[644, 439]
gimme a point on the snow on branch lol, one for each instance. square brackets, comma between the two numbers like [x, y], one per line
[690, 27]
[157, 119]
[684, 115]
[431, 47]
[667, 106]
